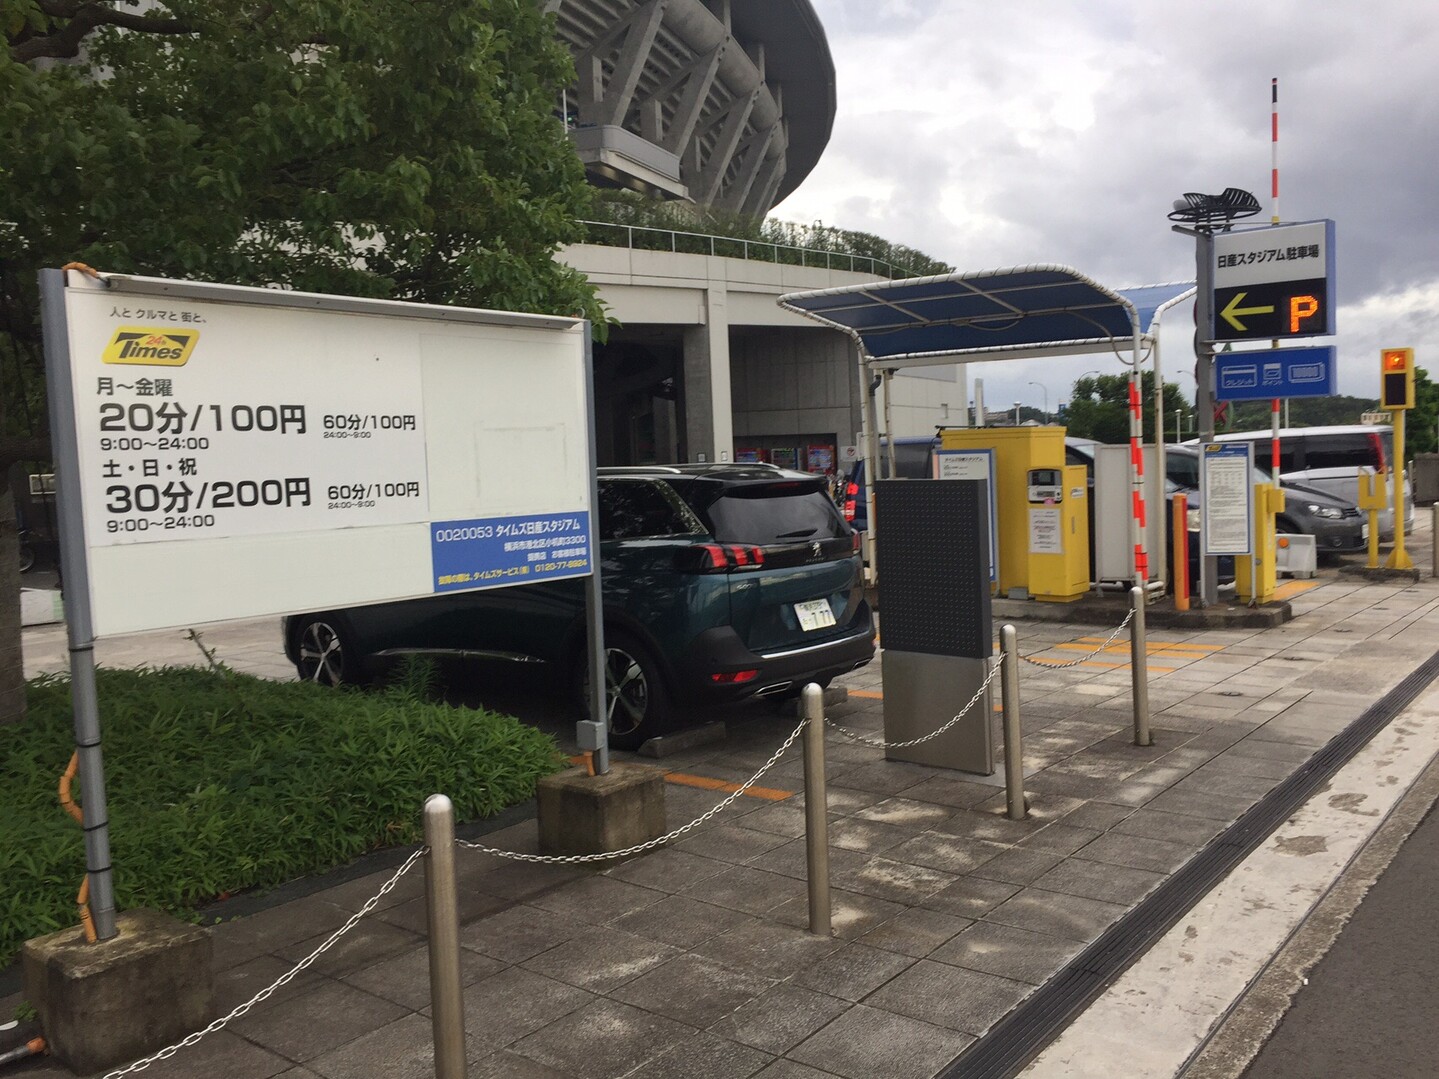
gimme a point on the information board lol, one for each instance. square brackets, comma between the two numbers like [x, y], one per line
[975, 465]
[242, 452]
[1226, 472]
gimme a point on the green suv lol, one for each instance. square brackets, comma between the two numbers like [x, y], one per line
[720, 583]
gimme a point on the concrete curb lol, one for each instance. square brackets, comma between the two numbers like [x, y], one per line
[1242, 1034]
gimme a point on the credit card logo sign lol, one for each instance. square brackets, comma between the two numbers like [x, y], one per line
[150, 347]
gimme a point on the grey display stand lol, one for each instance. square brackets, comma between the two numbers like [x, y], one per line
[935, 621]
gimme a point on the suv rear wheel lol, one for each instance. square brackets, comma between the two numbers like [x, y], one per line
[637, 706]
[325, 652]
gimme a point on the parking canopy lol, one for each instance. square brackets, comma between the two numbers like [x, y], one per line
[1023, 311]
[1017, 313]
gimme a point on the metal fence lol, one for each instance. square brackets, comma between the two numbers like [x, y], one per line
[438, 852]
[644, 238]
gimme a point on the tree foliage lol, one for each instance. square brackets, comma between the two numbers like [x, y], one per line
[393, 148]
[628, 208]
[1099, 408]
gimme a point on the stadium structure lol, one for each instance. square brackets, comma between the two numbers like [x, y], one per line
[726, 104]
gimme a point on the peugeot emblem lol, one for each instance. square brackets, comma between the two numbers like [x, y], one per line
[814, 550]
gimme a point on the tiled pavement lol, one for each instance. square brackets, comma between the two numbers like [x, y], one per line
[695, 961]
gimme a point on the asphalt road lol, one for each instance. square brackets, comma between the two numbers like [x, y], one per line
[1369, 1008]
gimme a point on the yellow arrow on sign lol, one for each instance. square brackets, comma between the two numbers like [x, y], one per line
[1232, 311]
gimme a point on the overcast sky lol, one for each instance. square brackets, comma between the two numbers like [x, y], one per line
[996, 134]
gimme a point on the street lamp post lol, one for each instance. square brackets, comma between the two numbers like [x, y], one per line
[1200, 215]
[1044, 390]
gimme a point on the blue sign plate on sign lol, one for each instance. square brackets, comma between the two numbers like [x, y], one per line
[491, 551]
[1278, 372]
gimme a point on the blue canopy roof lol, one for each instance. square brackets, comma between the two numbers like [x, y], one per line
[993, 314]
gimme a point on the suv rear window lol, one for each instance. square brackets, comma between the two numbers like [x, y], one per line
[774, 514]
[630, 509]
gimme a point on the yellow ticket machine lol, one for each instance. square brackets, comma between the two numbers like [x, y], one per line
[1058, 533]
[1044, 555]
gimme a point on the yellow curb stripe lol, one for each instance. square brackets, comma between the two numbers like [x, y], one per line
[867, 694]
[769, 794]
[1206, 649]
[1117, 666]
[1293, 588]
[1123, 650]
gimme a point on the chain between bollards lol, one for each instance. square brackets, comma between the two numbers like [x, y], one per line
[1018, 808]
[1139, 668]
[816, 810]
[442, 906]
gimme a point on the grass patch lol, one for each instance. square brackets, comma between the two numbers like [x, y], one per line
[219, 782]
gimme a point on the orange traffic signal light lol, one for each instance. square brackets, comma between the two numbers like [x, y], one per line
[1396, 378]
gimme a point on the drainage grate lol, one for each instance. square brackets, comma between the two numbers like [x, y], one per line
[1018, 1037]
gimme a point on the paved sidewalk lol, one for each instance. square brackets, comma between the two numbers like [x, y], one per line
[694, 960]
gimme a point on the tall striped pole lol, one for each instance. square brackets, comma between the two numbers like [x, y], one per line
[1274, 220]
[1136, 472]
[1274, 147]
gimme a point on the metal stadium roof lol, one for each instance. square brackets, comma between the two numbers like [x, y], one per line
[1013, 313]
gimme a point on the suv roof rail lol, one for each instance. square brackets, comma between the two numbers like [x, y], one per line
[613, 470]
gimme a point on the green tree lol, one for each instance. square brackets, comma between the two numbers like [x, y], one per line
[1421, 428]
[404, 149]
[1099, 408]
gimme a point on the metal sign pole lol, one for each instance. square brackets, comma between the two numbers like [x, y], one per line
[1204, 385]
[79, 625]
[593, 733]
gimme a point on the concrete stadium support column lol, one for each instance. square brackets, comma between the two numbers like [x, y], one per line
[708, 420]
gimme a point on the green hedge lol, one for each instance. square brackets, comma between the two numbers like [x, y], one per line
[219, 782]
[800, 244]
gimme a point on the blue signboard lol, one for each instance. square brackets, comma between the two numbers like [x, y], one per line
[509, 550]
[1278, 372]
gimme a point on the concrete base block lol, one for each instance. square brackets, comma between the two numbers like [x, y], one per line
[41, 607]
[584, 814]
[1296, 556]
[1381, 573]
[112, 1001]
[667, 745]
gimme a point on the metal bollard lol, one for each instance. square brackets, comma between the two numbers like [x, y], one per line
[1013, 740]
[816, 810]
[1139, 669]
[442, 906]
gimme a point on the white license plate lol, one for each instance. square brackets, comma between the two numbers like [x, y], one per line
[814, 614]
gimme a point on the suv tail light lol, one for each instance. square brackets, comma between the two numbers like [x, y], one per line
[851, 494]
[719, 558]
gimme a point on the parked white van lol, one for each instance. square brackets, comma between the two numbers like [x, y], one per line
[1330, 458]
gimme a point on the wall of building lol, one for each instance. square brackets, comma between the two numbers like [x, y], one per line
[752, 375]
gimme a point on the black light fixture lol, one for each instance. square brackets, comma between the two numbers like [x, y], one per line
[1206, 211]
